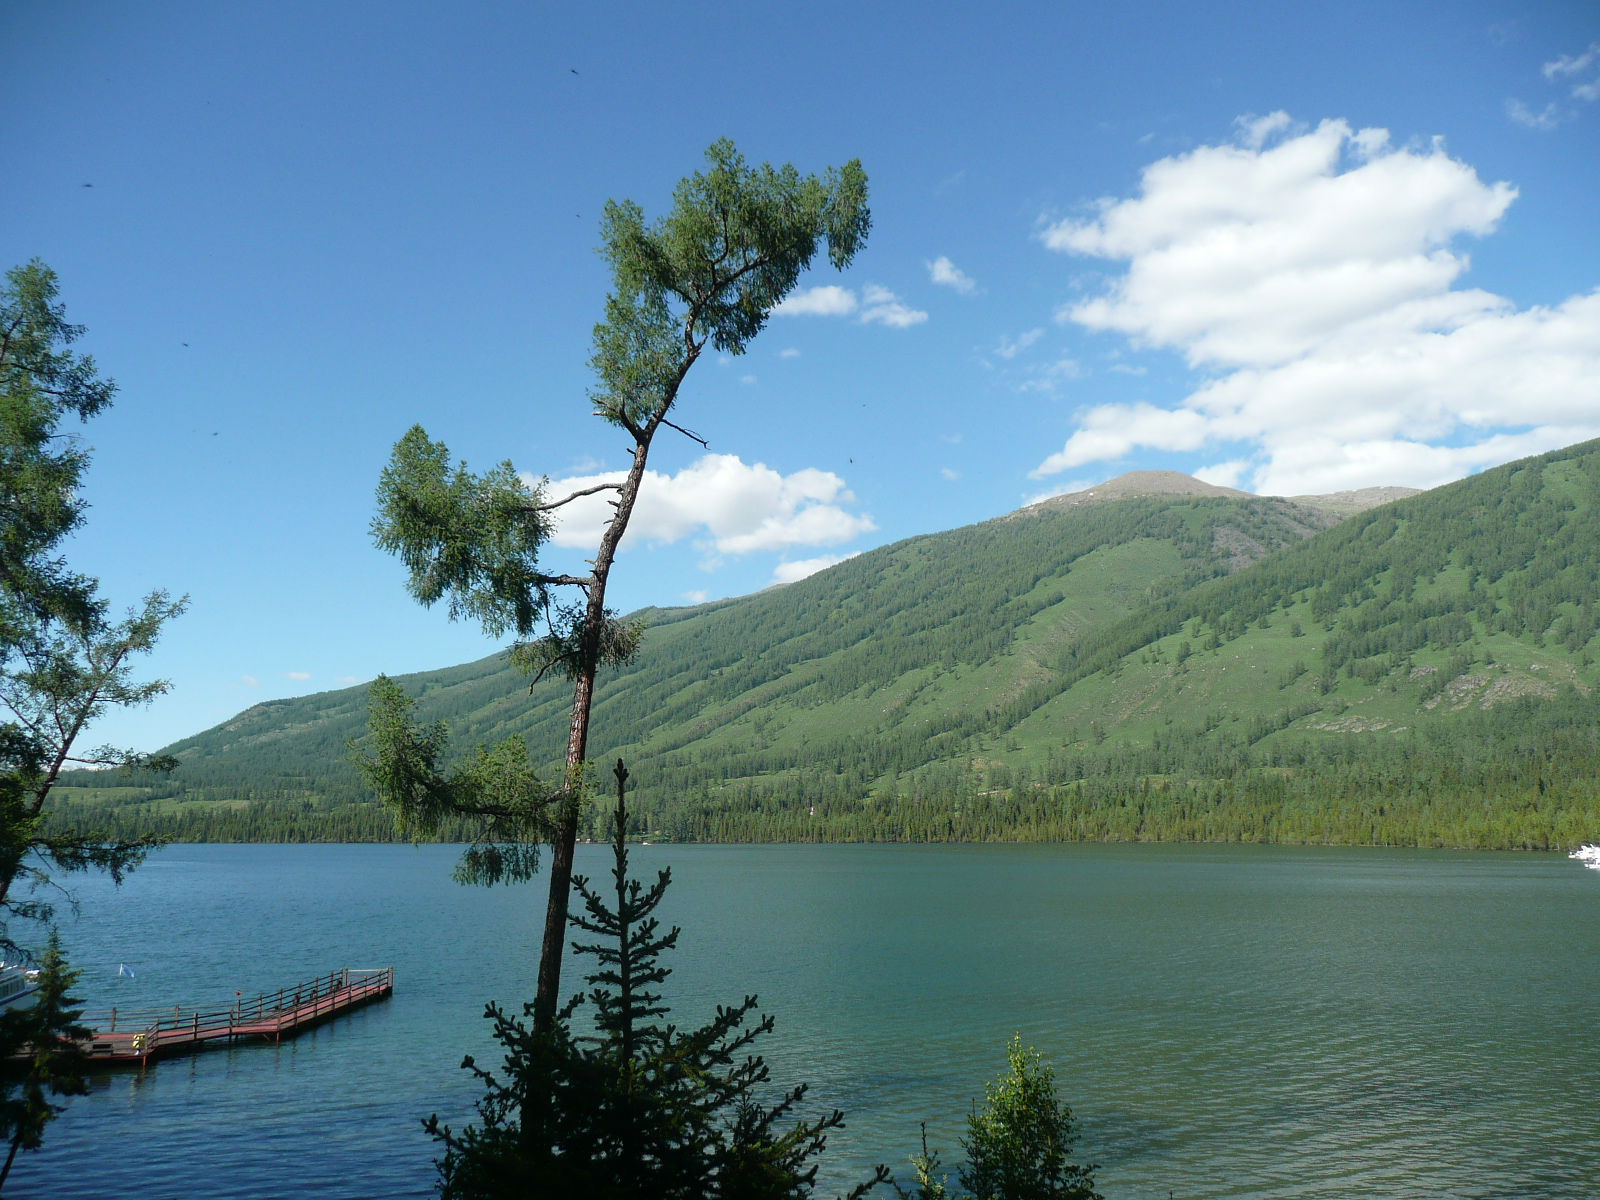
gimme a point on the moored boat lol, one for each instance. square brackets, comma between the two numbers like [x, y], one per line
[17, 985]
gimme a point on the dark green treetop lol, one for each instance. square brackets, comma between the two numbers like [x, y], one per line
[63, 658]
[637, 1107]
[42, 382]
[43, 1058]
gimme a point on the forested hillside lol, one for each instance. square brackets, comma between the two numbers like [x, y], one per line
[1142, 666]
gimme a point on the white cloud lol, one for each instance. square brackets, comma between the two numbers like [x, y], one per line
[697, 596]
[347, 680]
[788, 352]
[1568, 70]
[1061, 489]
[1313, 279]
[876, 304]
[881, 305]
[1048, 378]
[950, 473]
[1239, 255]
[298, 676]
[1254, 132]
[942, 271]
[1572, 64]
[1009, 348]
[1547, 118]
[1111, 430]
[1223, 474]
[747, 380]
[788, 572]
[250, 681]
[827, 301]
[743, 508]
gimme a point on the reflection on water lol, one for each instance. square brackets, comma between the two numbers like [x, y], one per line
[1240, 1022]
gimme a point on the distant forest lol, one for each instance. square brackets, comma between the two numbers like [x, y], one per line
[1152, 668]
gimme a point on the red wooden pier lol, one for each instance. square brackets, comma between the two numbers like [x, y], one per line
[141, 1036]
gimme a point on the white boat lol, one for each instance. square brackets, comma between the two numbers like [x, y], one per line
[1589, 856]
[17, 985]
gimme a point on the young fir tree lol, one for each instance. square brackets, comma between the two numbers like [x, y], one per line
[637, 1108]
[1019, 1146]
[45, 1059]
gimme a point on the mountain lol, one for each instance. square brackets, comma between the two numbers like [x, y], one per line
[1151, 658]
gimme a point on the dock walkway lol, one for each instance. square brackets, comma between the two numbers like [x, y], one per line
[139, 1037]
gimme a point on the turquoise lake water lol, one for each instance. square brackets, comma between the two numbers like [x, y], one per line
[1225, 1021]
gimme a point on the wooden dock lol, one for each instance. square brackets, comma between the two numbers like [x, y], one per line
[138, 1037]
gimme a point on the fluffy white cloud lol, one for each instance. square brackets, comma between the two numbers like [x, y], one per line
[881, 305]
[697, 596]
[942, 271]
[1111, 430]
[828, 301]
[298, 676]
[1240, 255]
[1312, 277]
[1223, 474]
[788, 352]
[250, 681]
[740, 508]
[949, 473]
[876, 305]
[788, 572]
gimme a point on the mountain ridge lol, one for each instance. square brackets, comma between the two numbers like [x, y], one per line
[1020, 671]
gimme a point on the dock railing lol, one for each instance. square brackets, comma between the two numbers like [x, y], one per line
[137, 1033]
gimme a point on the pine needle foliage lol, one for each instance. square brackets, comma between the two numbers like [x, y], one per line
[1019, 1144]
[507, 810]
[64, 658]
[637, 1108]
[40, 1056]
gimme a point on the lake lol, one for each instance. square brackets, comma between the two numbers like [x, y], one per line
[1224, 1021]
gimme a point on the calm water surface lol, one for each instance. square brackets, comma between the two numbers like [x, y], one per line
[1240, 1022]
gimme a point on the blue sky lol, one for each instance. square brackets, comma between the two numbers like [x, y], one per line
[1289, 248]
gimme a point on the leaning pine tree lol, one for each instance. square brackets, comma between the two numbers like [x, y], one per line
[637, 1108]
[707, 275]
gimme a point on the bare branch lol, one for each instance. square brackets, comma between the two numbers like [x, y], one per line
[599, 487]
[583, 581]
[693, 437]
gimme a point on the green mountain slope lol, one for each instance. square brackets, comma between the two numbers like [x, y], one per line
[1150, 661]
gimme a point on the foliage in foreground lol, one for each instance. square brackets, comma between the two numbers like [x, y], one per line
[706, 275]
[637, 1108]
[495, 797]
[42, 1057]
[1018, 1145]
[63, 658]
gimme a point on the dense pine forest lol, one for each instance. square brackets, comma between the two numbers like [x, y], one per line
[1172, 666]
